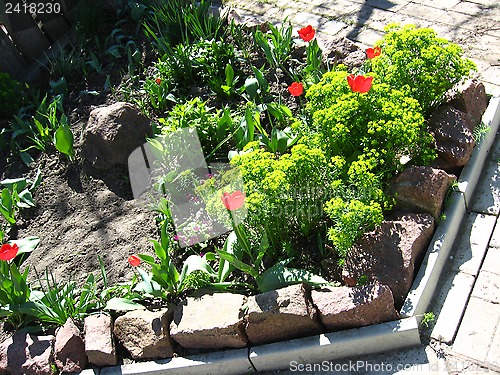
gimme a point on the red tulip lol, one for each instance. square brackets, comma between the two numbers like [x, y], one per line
[373, 52]
[307, 33]
[233, 201]
[134, 260]
[359, 83]
[8, 252]
[158, 81]
[296, 89]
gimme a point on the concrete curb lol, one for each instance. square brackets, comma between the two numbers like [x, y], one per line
[336, 345]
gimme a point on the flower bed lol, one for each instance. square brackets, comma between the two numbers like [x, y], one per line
[286, 181]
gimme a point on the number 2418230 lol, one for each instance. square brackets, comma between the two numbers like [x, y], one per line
[38, 8]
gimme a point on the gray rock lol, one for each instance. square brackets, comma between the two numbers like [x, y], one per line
[248, 20]
[388, 255]
[345, 307]
[282, 314]
[212, 322]
[145, 334]
[99, 343]
[69, 349]
[112, 133]
[454, 141]
[336, 50]
[355, 60]
[421, 189]
[26, 354]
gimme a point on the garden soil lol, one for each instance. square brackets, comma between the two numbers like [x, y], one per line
[81, 214]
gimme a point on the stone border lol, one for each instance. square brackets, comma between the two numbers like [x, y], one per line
[426, 280]
[337, 345]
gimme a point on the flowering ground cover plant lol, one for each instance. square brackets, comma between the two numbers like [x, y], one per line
[280, 165]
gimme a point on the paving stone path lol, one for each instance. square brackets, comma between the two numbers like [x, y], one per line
[474, 25]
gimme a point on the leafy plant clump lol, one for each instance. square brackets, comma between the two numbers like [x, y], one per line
[419, 63]
[379, 127]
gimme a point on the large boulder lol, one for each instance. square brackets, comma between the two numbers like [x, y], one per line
[282, 314]
[420, 189]
[453, 135]
[27, 354]
[145, 334]
[211, 322]
[112, 133]
[99, 342]
[389, 254]
[69, 349]
[345, 307]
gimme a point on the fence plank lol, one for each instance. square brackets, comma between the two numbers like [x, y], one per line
[55, 25]
[29, 39]
[11, 61]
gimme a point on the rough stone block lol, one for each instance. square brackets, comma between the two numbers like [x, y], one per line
[27, 354]
[389, 254]
[145, 334]
[99, 343]
[212, 322]
[281, 314]
[472, 100]
[346, 307]
[69, 348]
[421, 189]
[454, 140]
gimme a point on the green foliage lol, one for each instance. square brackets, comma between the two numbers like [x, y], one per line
[196, 114]
[56, 302]
[276, 44]
[365, 136]
[285, 195]
[312, 71]
[17, 194]
[225, 89]
[92, 19]
[11, 96]
[428, 318]
[181, 21]
[68, 63]
[48, 126]
[159, 94]
[351, 219]
[14, 287]
[257, 88]
[200, 62]
[274, 277]
[419, 63]
[480, 132]
[383, 124]
[166, 282]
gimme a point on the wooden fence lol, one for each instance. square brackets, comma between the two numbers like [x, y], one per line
[27, 37]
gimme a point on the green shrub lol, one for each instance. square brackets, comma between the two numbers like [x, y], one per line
[417, 62]
[351, 219]
[382, 124]
[285, 195]
[11, 96]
